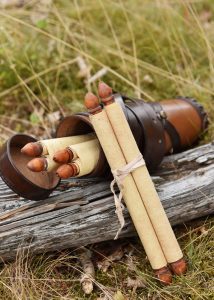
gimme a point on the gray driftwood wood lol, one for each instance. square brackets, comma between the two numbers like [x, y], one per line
[82, 212]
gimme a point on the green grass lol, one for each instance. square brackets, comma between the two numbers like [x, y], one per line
[57, 276]
[171, 41]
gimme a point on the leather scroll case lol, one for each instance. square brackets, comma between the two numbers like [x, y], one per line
[159, 128]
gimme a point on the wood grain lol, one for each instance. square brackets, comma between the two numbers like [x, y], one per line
[81, 211]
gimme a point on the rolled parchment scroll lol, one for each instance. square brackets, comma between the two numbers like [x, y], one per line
[51, 146]
[86, 156]
[143, 182]
[130, 193]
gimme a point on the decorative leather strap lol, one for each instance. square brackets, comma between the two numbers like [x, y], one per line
[147, 129]
[174, 136]
[170, 129]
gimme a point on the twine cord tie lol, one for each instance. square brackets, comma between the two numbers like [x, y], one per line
[119, 176]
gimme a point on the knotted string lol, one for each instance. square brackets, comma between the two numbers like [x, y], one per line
[119, 175]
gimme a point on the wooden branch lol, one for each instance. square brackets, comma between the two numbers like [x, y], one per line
[81, 212]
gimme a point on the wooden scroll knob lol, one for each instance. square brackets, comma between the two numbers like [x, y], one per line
[67, 171]
[92, 103]
[105, 92]
[32, 149]
[164, 275]
[37, 164]
[63, 156]
[179, 267]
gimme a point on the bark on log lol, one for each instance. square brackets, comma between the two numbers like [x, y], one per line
[82, 212]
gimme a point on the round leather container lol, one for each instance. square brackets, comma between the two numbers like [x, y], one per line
[14, 171]
[159, 128]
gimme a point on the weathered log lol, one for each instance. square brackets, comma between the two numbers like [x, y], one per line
[82, 212]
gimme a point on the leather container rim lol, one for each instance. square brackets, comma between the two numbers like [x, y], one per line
[81, 124]
[69, 125]
[27, 189]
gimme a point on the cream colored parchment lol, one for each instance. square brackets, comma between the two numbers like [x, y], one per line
[144, 184]
[51, 146]
[86, 156]
[130, 193]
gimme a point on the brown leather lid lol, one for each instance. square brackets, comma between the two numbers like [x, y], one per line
[14, 171]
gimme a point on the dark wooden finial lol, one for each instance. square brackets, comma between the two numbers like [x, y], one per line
[63, 156]
[67, 171]
[37, 164]
[164, 275]
[32, 149]
[179, 267]
[92, 103]
[106, 94]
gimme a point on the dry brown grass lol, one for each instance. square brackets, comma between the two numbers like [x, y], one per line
[152, 49]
